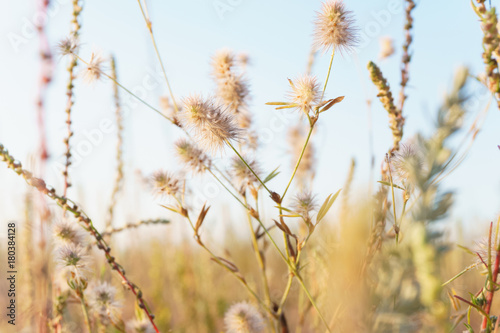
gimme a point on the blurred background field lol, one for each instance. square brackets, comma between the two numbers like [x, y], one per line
[400, 291]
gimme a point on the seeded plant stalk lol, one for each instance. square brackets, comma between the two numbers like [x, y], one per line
[69, 206]
[119, 148]
[405, 61]
[73, 62]
[129, 226]
[150, 29]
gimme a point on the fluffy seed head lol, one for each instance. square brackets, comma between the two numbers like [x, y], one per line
[222, 62]
[165, 183]
[211, 123]
[243, 318]
[305, 92]
[140, 326]
[334, 27]
[68, 45]
[73, 262]
[240, 172]
[304, 204]
[192, 156]
[65, 232]
[102, 300]
[93, 70]
[406, 163]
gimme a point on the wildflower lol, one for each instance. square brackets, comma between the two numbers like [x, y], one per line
[93, 71]
[140, 326]
[304, 204]
[211, 123]
[68, 45]
[242, 174]
[305, 92]
[386, 47]
[222, 62]
[66, 233]
[335, 27]
[232, 88]
[102, 300]
[192, 156]
[165, 183]
[243, 318]
[406, 163]
[73, 262]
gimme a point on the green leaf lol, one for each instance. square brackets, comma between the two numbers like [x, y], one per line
[389, 184]
[326, 206]
[287, 107]
[277, 103]
[285, 209]
[171, 208]
[273, 174]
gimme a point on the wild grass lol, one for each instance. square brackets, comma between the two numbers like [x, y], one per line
[294, 260]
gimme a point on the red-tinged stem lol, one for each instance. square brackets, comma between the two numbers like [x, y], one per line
[489, 296]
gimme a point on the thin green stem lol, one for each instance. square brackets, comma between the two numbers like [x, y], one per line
[248, 166]
[285, 294]
[239, 278]
[313, 302]
[261, 263]
[85, 314]
[328, 75]
[150, 29]
[227, 189]
[128, 91]
[393, 202]
[298, 161]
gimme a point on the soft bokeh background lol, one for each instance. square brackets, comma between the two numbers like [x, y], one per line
[276, 35]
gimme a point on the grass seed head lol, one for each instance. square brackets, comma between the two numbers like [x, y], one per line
[334, 27]
[243, 318]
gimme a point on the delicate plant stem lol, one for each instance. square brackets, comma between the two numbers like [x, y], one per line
[396, 228]
[227, 189]
[311, 299]
[86, 314]
[131, 93]
[298, 161]
[150, 29]
[119, 149]
[238, 277]
[260, 261]
[328, 75]
[248, 166]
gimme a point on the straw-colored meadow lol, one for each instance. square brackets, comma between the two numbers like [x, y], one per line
[287, 259]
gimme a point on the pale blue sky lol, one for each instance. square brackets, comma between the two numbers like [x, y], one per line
[277, 37]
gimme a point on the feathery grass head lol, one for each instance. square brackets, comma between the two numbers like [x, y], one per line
[165, 183]
[192, 156]
[74, 263]
[212, 125]
[334, 27]
[406, 163]
[305, 92]
[93, 70]
[68, 45]
[304, 204]
[243, 318]
[140, 326]
[102, 300]
[232, 87]
[222, 62]
[65, 232]
[242, 174]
